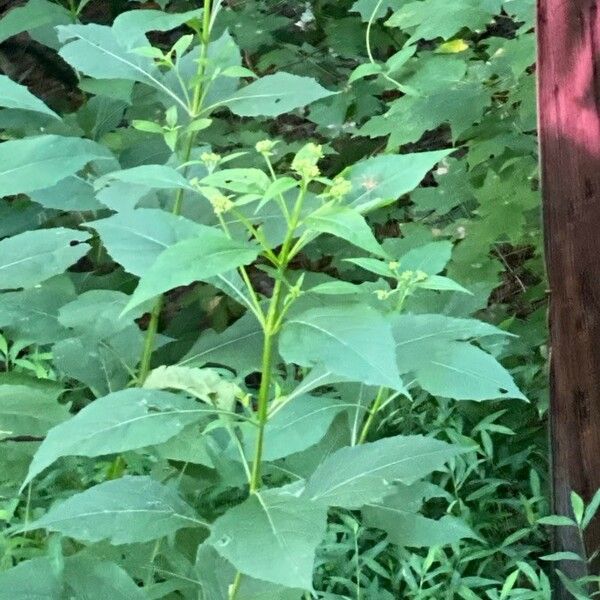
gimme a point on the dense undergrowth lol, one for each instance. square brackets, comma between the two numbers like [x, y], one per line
[274, 309]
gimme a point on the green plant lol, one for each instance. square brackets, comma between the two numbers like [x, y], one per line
[246, 386]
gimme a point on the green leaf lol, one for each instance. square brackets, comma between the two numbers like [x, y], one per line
[365, 70]
[357, 475]
[123, 511]
[409, 529]
[205, 384]
[121, 421]
[438, 18]
[244, 181]
[188, 261]
[578, 507]
[238, 347]
[345, 223]
[13, 95]
[428, 346]
[442, 284]
[88, 577]
[39, 162]
[557, 521]
[34, 256]
[591, 509]
[381, 180]
[34, 579]
[70, 194]
[96, 51]
[560, 556]
[272, 536]
[431, 258]
[29, 411]
[159, 177]
[275, 95]
[130, 26]
[321, 336]
[32, 314]
[300, 424]
[31, 16]
[136, 238]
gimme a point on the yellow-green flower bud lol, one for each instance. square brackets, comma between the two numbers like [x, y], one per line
[265, 147]
[210, 159]
[305, 161]
[339, 188]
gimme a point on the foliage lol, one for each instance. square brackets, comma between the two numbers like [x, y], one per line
[273, 309]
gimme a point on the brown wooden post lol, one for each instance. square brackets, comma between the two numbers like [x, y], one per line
[569, 126]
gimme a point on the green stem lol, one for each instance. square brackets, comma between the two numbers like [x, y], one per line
[379, 400]
[146, 358]
[270, 331]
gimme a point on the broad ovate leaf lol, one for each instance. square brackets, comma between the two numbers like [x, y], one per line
[357, 475]
[353, 341]
[136, 238]
[380, 180]
[191, 260]
[123, 511]
[124, 420]
[275, 95]
[34, 256]
[272, 536]
[13, 95]
[31, 579]
[39, 162]
[159, 177]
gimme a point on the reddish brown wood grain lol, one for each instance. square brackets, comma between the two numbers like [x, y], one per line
[569, 126]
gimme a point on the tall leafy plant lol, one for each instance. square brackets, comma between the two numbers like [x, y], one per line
[223, 456]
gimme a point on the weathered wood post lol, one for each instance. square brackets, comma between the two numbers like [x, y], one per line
[569, 127]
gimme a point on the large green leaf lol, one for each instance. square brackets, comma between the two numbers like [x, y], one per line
[344, 223]
[34, 256]
[237, 347]
[195, 259]
[121, 421]
[153, 176]
[123, 511]
[96, 51]
[136, 238]
[31, 16]
[87, 577]
[357, 475]
[34, 579]
[71, 194]
[352, 341]
[297, 426]
[436, 349]
[380, 180]
[439, 18]
[13, 95]
[129, 27]
[275, 95]
[272, 536]
[29, 411]
[39, 162]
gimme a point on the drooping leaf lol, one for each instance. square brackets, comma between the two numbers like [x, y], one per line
[39, 162]
[123, 511]
[34, 256]
[121, 421]
[195, 259]
[275, 95]
[272, 536]
[359, 334]
[357, 475]
[13, 95]
[136, 238]
[344, 223]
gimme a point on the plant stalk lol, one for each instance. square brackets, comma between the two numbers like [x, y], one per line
[379, 400]
[152, 329]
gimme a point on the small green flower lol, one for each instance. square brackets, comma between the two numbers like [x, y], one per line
[265, 147]
[305, 161]
[340, 187]
[210, 160]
